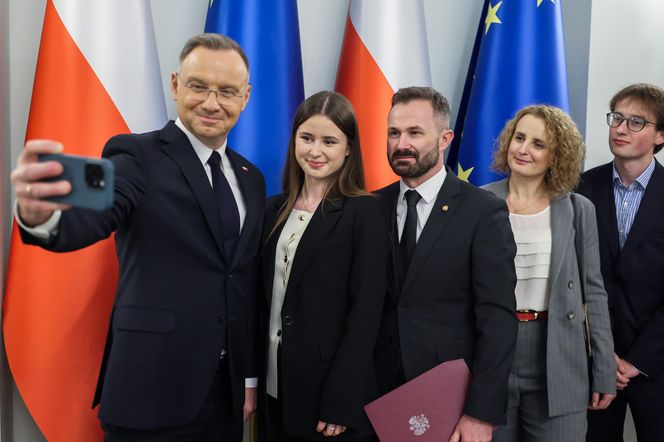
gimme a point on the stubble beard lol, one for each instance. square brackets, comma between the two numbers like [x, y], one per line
[421, 166]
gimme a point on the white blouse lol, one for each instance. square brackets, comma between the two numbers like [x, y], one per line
[294, 228]
[532, 234]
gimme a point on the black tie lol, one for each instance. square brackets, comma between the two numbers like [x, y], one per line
[228, 211]
[409, 234]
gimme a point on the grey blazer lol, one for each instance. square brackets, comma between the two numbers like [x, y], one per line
[566, 362]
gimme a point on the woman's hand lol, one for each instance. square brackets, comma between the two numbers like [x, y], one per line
[249, 403]
[600, 401]
[329, 429]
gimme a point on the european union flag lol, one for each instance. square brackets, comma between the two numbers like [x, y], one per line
[521, 61]
[270, 35]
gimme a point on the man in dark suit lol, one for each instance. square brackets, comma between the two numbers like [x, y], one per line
[187, 218]
[627, 194]
[451, 293]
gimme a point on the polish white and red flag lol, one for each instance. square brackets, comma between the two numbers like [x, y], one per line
[97, 76]
[384, 49]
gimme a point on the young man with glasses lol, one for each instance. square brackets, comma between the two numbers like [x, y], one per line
[627, 194]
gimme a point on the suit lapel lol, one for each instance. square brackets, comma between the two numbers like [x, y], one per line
[649, 212]
[270, 250]
[323, 221]
[443, 210]
[251, 202]
[561, 232]
[389, 198]
[179, 149]
[606, 208]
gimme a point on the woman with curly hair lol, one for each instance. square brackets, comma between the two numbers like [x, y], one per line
[557, 262]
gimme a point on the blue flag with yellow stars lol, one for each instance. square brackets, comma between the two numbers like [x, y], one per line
[520, 61]
[270, 35]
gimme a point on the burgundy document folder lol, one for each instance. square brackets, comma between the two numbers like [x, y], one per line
[425, 409]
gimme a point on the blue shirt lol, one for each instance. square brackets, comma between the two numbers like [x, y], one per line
[628, 199]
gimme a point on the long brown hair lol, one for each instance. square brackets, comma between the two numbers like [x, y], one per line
[348, 181]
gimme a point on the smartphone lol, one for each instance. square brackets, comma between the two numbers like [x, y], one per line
[91, 180]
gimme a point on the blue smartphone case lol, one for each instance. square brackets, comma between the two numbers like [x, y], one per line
[92, 180]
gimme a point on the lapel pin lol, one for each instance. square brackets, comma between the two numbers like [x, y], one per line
[244, 168]
[445, 208]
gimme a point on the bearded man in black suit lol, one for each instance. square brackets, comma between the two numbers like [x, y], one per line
[451, 293]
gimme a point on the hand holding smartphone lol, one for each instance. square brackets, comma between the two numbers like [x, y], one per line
[92, 180]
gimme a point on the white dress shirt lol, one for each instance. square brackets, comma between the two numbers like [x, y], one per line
[428, 190]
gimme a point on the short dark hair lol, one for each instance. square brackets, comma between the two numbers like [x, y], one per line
[214, 42]
[440, 105]
[647, 96]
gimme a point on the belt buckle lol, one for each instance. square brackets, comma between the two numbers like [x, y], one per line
[535, 314]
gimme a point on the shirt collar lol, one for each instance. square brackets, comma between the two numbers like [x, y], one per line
[429, 189]
[201, 149]
[642, 179]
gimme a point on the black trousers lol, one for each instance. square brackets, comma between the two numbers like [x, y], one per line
[216, 421]
[644, 401]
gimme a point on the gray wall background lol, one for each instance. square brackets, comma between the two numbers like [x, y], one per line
[5, 378]
[610, 43]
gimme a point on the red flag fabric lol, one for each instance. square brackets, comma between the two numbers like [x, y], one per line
[384, 49]
[57, 306]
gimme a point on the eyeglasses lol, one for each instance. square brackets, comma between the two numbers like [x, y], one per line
[201, 91]
[634, 123]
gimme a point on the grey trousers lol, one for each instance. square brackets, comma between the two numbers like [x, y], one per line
[527, 408]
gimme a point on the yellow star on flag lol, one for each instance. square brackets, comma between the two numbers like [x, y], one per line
[491, 16]
[213, 0]
[464, 174]
[539, 2]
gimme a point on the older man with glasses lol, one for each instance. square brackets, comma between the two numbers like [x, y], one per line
[627, 194]
[180, 360]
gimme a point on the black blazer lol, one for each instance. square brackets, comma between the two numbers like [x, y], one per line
[633, 277]
[164, 337]
[457, 299]
[330, 315]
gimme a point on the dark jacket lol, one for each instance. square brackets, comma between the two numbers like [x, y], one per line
[633, 276]
[175, 285]
[330, 315]
[457, 299]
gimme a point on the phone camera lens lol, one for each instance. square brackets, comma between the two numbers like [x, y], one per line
[94, 176]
